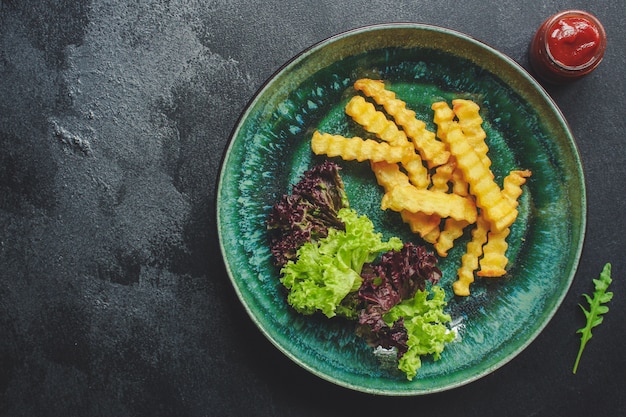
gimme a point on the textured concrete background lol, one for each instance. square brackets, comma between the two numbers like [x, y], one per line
[113, 297]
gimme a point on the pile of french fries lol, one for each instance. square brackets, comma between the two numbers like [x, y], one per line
[439, 182]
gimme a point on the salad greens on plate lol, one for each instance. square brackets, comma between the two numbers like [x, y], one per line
[334, 262]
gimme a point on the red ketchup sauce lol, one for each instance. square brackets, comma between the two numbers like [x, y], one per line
[567, 46]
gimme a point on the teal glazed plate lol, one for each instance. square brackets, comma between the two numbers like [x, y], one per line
[270, 149]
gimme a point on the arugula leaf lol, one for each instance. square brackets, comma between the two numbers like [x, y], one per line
[596, 309]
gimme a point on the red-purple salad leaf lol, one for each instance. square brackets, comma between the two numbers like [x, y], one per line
[378, 333]
[308, 212]
[397, 276]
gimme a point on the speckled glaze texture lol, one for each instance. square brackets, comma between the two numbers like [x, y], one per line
[270, 149]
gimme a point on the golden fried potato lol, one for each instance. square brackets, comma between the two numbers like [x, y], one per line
[374, 121]
[442, 176]
[500, 211]
[417, 172]
[443, 204]
[452, 230]
[443, 118]
[512, 184]
[433, 152]
[389, 176]
[469, 261]
[459, 185]
[494, 260]
[425, 225]
[356, 148]
[467, 113]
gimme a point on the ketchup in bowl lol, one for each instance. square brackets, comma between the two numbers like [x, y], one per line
[567, 46]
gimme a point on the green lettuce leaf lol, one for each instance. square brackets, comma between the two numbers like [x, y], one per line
[325, 272]
[424, 319]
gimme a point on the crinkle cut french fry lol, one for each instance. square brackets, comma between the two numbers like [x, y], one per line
[443, 118]
[374, 121]
[433, 235]
[425, 225]
[432, 151]
[494, 258]
[356, 148]
[442, 176]
[469, 261]
[452, 230]
[389, 176]
[512, 184]
[500, 211]
[467, 113]
[418, 173]
[459, 185]
[448, 175]
[494, 261]
[440, 203]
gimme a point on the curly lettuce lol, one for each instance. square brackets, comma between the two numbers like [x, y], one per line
[332, 261]
[328, 270]
[308, 213]
[425, 322]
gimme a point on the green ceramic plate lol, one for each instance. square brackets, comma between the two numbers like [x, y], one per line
[270, 149]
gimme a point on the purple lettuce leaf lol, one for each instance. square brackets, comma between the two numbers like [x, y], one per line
[397, 276]
[308, 212]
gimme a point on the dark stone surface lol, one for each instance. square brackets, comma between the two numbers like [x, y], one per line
[113, 297]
